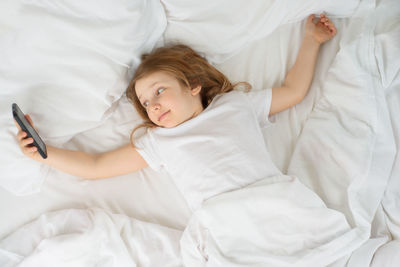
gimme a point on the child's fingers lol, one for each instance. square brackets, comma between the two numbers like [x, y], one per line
[333, 30]
[325, 20]
[27, 147]
[27, 141]
[310, 18]
[331, 27]
[328, 24]
[21, 135]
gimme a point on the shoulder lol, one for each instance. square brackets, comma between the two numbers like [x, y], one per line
[224, 100]
[229, 96]
[249, 97]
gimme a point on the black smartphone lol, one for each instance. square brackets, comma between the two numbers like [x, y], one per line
[19, 116]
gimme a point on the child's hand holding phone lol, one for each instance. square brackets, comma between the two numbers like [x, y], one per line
[26, 143]
[29, 141]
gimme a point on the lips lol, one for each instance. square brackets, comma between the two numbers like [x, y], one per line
[163, 115]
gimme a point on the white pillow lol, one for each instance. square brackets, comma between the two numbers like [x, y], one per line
[66, 63]
[221, 28]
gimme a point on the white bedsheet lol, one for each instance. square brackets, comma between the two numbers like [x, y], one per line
[82, 238]
[350, 114]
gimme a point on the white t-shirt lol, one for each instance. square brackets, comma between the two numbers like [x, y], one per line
[219, 150]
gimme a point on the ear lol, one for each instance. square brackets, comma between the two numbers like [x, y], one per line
[196, 90]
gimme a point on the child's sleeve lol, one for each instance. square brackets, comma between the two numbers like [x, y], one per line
[260, 102]
[147, 148]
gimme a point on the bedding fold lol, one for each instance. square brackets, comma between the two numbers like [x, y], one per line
[92, 237]
[346, 150]
[274, 222]
[190, 21]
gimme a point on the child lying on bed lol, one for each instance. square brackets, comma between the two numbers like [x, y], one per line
[201, 131]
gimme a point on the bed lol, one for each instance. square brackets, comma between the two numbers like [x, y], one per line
[68, 63]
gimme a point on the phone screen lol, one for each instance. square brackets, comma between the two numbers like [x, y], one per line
[27, 127]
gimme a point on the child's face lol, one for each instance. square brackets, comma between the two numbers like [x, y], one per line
[166, 101]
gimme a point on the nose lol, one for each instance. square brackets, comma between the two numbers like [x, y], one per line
[155, 106]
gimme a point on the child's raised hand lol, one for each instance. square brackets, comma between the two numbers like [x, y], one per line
[26, 144]
[322, 30]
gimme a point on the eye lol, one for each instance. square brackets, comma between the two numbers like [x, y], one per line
[145, 104]
[160, 90]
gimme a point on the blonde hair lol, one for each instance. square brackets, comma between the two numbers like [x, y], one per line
[188, 67]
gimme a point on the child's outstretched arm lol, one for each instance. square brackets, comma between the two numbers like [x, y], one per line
[299, 77]
[89, 166]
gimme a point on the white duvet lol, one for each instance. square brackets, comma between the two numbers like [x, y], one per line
[339, 206]
[81, 238]
[274, 222]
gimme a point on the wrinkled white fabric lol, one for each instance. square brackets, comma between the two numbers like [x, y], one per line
[243, 22]
[274, 222]
[93, 237]
[386, 49]
[357, 154]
